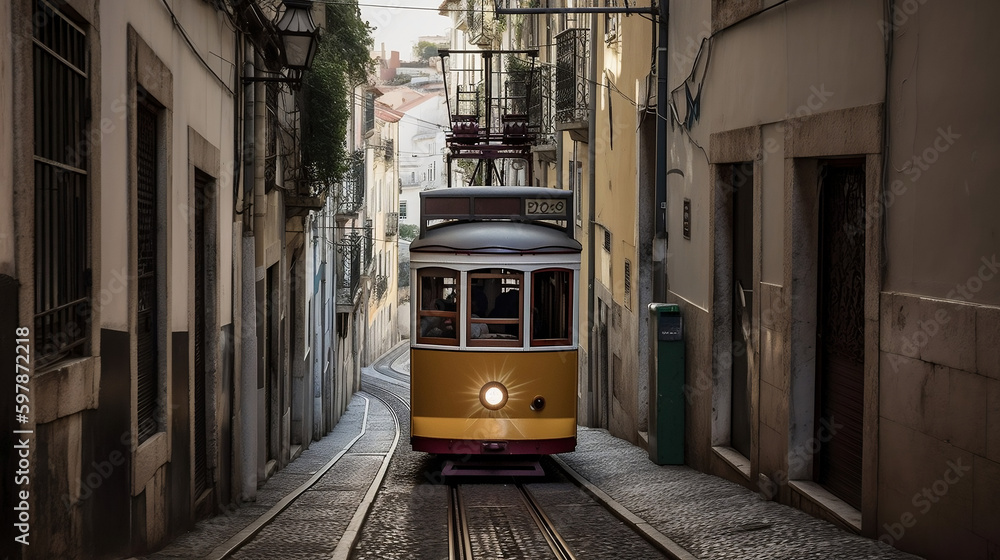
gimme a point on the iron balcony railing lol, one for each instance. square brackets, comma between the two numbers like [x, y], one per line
[541, 105]
[381, 286]
[349, 252]
[352, 189]
[369, 244]
[572, 68]
[391, 224]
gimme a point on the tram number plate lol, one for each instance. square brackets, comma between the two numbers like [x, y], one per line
[545, 207]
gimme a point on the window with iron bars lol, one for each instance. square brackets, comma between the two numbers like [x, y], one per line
[62, 273]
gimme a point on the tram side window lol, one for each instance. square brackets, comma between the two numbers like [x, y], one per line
[437, 314]
[551, 312]
[495, 304]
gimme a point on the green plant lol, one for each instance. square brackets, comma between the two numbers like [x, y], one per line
[341, 61]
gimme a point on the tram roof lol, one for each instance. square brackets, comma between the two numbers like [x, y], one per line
[495, 237]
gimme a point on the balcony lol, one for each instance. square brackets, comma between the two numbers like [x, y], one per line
[351, 191]
[349, 253]
[391, 224]
[381, 286]
[572, 73]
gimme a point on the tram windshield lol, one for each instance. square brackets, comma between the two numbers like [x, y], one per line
[495, 304]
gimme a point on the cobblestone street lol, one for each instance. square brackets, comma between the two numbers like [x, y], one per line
[682, 513]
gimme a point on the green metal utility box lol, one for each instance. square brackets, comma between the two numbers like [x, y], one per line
[666, 384]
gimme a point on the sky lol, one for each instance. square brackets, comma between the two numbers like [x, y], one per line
[399, 27]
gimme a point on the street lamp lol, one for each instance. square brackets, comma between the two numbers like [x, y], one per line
[299, 34]
[299, 38]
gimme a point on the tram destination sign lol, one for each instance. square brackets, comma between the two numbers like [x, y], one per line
[545, 207]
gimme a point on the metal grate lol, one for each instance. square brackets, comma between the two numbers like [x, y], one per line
[203, 184]
[607, 240]
[148, 378]
[61, 154]
[572, 64]
[628, 284]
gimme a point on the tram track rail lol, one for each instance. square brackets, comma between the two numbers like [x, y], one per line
[558, 545]
[248, 533]
[460, 544]
[351, 534]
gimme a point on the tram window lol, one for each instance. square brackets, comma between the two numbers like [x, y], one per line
[437, 315]
[551, 312]
[495, 304]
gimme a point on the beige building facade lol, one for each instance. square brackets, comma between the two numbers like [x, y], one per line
[160, 254]
[835, 285]
[826, 228]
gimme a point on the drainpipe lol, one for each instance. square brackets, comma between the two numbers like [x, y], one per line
[660, 283]
[591, 217]
[259, 141]
[248, 305]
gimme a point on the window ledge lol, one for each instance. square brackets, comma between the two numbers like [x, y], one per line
[822, 497]
[149, 457]
[734, 459]
[66, 388]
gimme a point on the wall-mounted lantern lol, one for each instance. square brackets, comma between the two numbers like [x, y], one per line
[299, 39]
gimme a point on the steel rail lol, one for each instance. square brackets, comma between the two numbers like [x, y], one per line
[459, 541]
[352, 534]
[241, 538]
[558, 545]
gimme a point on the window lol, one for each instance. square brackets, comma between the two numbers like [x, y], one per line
[62, 228]
[147, 274]
[551, 307]
[402, 209]
[628, 284]
[437, 316]
[495, 305]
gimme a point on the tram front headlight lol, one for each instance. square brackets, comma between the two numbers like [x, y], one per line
[493, 395]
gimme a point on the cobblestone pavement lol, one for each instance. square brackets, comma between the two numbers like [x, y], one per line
[312, 525]
[708, 516]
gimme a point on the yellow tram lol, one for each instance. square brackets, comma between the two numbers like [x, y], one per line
[494, 315]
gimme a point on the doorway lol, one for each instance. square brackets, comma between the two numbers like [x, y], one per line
[840, 336]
